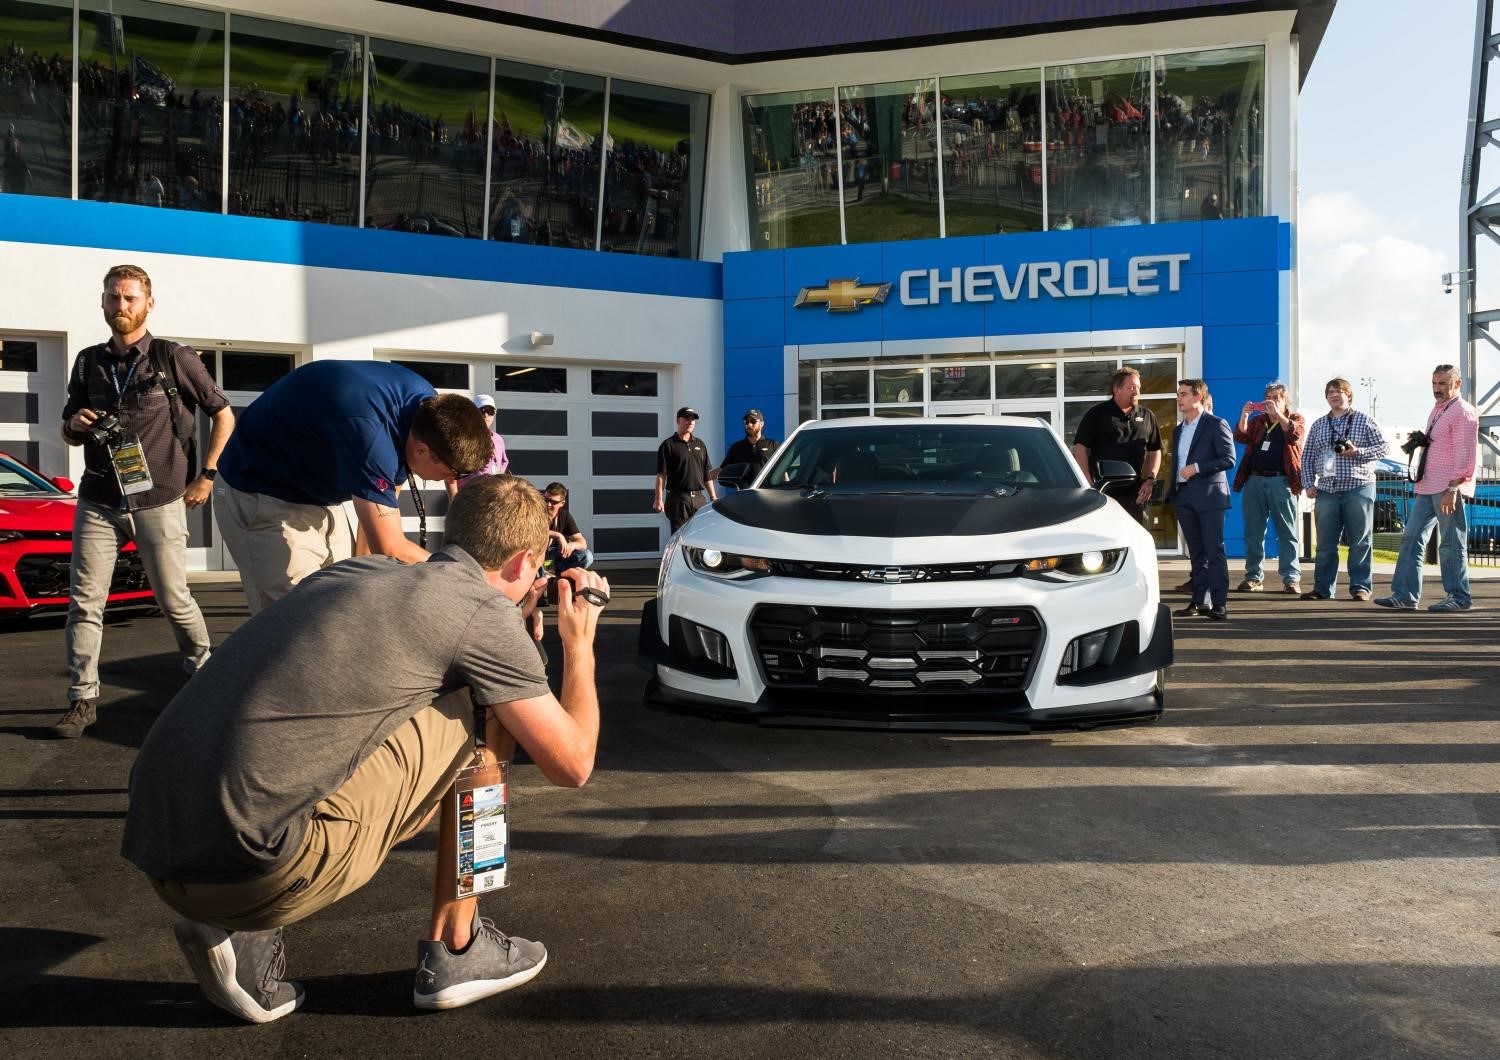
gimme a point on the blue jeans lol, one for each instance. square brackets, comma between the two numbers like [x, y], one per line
[1453, 549]
[1270, 496]
[1353, 512]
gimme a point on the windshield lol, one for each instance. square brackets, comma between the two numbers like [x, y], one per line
[16, 481]
[920, 457]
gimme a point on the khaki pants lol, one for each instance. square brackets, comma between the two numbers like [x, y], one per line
[385, 802]
[277, 543]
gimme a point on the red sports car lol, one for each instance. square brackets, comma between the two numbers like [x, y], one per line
[36, 545]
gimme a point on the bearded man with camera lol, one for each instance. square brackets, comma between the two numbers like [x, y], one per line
[1338, 474]
[132, 403]
[1447, 453]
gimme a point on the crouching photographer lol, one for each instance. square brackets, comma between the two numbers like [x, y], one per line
[131, 404]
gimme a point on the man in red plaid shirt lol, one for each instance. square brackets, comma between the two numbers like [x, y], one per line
[1270, 481]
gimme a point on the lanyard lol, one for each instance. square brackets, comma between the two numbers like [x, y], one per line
[114, 378]
[416, 500]
[1348, 426]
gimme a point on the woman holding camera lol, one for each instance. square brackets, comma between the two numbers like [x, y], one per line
[1338, 471]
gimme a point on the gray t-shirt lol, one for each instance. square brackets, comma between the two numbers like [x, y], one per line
[300, 695]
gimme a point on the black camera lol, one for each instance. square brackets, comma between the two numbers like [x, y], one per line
[1343, 446]
[107, 430]
[1414, 441]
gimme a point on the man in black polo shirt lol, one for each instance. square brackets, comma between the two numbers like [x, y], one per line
[755, 448]
[1122, 429]
[682, 472]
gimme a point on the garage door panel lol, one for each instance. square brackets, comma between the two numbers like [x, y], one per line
[622, 502]
[435, 500]
[552, 423]
[530, 463]
[610, 424]
[624, 462]
[20, 408]
[616, 539]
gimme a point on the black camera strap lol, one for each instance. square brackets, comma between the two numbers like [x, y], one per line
[416, 500]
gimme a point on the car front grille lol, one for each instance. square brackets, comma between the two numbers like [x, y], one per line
[894, 575]
[964, 649]
[43, 575]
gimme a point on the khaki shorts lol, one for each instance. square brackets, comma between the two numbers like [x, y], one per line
[385, 802]
[277, 543]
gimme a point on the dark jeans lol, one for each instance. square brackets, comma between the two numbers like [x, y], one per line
[681, 506]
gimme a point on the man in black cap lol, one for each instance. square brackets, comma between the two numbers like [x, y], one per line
[754, 449]
[683, 472]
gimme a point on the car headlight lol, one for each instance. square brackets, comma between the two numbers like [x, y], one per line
[1079, 566]
[722, 564]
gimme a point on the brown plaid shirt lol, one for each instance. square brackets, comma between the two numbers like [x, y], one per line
[1255, 433]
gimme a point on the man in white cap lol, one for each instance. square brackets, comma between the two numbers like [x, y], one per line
[498, 460]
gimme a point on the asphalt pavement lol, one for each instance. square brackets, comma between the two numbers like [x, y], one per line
[1298, 860]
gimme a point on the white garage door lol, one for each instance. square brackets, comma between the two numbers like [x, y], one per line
[33, 374]
[593, 428]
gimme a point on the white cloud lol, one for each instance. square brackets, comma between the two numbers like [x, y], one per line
[1372, 306]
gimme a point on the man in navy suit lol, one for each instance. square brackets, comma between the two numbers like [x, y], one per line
[1202, 451]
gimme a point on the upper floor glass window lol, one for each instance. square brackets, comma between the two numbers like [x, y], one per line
[791, 163]
[1209, 141]
[150, 90]
[544, 162]
[425, 150]
[36, 76]
[653, 184]
[992, 153]
[1099, 133]
[888, 137]
[295, 100]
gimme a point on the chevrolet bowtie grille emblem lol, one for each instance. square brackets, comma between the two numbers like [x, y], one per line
[843, 296]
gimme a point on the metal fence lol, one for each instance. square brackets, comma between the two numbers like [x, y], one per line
[1393, 501]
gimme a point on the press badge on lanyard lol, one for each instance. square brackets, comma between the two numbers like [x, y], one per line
[483, 840]
[128, 457]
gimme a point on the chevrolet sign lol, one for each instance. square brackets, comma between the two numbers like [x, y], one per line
[1056, 279]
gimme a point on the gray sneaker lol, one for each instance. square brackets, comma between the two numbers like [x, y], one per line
[492, 962]
[81, 714]
[1448, 603]
[1395, 602]
[240, 971]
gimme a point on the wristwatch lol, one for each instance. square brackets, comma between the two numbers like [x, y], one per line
[210, 473]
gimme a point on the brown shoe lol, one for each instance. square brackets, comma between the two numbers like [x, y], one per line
[1291, 587]
[81, 714]
[1248, 586]
[1362, 595]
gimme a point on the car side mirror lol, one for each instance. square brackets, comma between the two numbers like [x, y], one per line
[64, 484]
[737, 476]
[1111, 471]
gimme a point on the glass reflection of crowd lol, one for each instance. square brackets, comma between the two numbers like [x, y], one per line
[145, 140]
[1098, 149]
[294, 159]
[36, 108]
[426, 172]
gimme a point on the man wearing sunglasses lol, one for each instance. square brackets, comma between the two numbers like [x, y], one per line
[499, 462]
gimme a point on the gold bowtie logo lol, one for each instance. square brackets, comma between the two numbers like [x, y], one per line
[843, 296]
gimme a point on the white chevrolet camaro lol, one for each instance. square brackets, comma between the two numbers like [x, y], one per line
[952, 573]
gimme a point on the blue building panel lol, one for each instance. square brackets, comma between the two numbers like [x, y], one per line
[1165, 309]
[754, 322]
[1241, 298]
[1242, 245]
[815, 266]
[1235, 352]
[753, 370]
[755, 274]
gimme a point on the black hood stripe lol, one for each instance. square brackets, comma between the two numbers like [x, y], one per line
[835, 514]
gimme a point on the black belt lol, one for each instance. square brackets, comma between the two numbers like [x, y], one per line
[1268, 474]
[684, 493]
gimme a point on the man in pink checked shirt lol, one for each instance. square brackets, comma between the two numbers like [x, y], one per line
[1444, 486]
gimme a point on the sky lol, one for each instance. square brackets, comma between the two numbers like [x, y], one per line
[1381, 140]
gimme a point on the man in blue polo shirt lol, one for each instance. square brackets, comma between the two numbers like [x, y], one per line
[330, 432]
